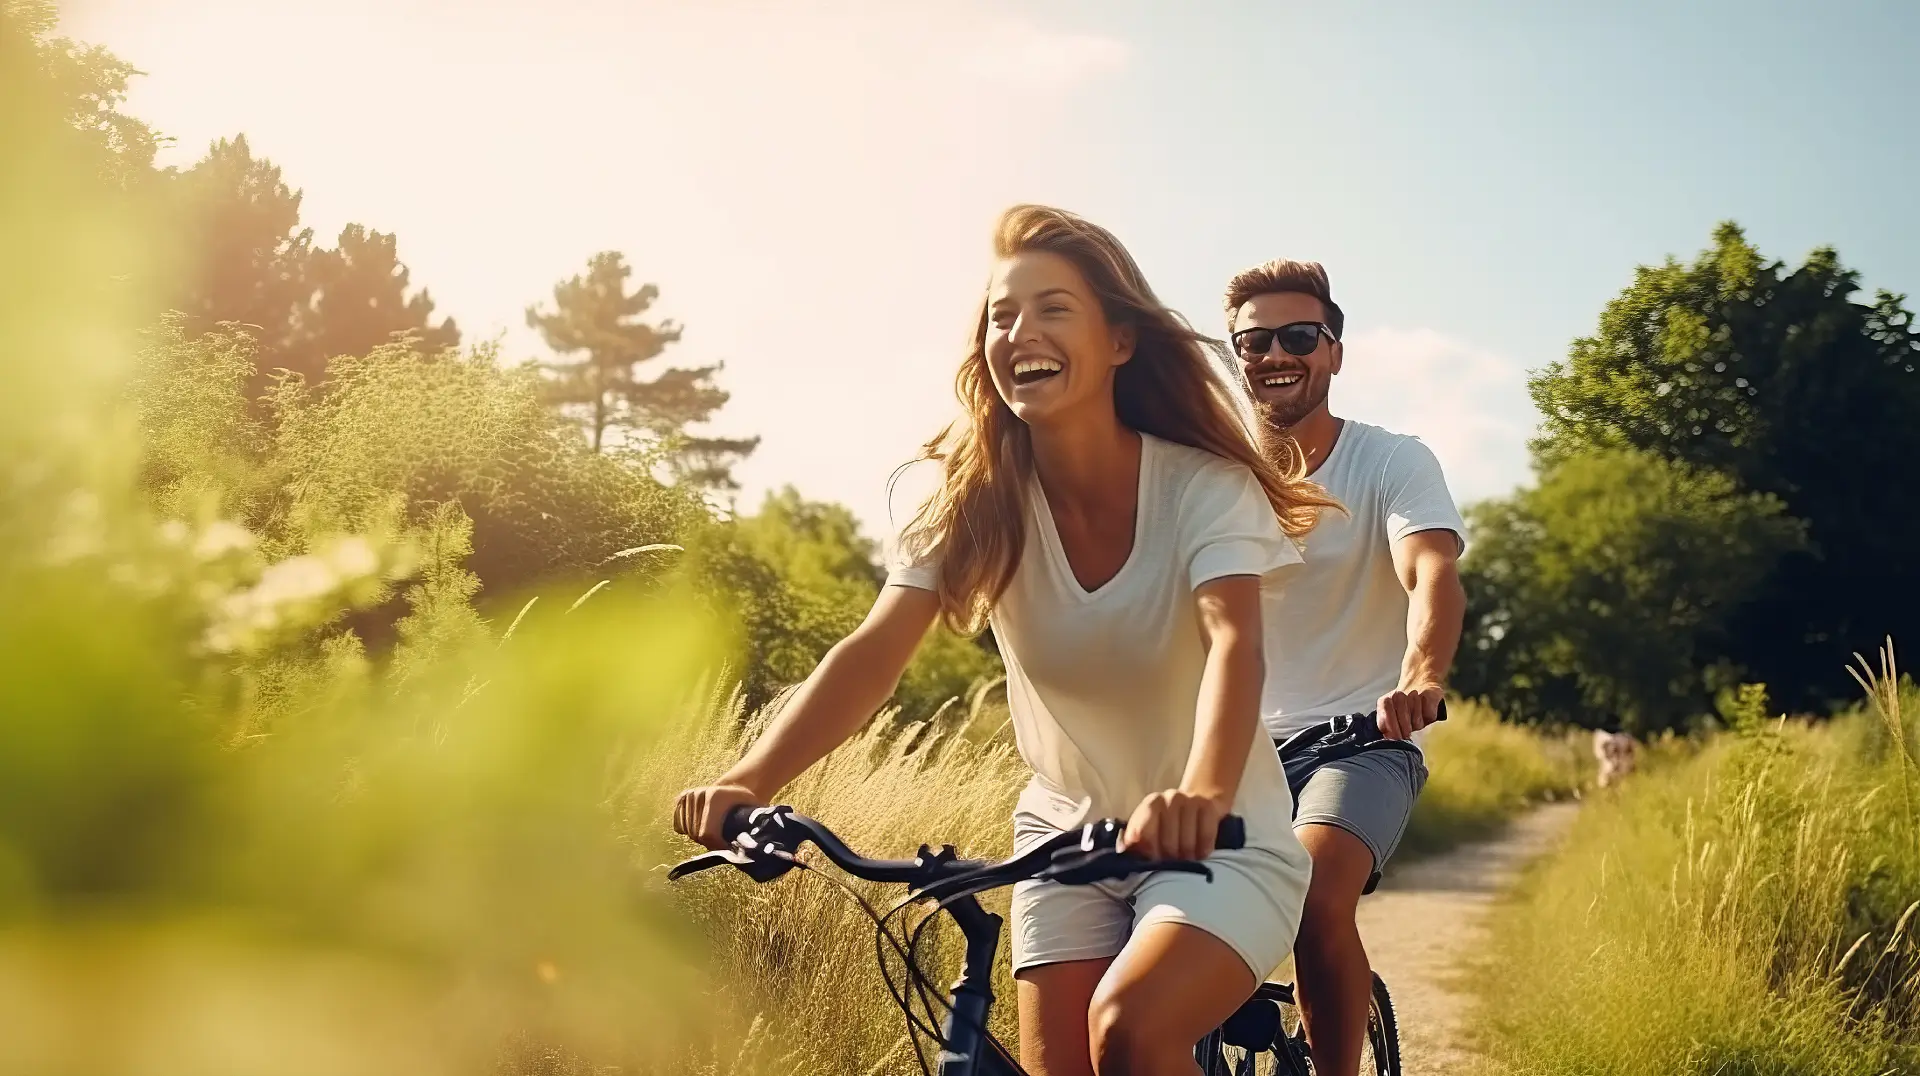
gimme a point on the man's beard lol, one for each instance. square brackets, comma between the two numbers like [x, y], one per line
[1286, 414]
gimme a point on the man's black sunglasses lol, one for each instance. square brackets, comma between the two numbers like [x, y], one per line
[1297, 338]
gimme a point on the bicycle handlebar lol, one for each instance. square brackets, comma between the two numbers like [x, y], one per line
[764, 841]
[1356, 730]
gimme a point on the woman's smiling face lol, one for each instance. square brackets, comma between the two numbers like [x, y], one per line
[1050, 349]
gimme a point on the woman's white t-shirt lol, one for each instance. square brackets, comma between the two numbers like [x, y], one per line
[1103, 685]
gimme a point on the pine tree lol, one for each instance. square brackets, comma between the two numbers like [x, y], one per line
[596, 318]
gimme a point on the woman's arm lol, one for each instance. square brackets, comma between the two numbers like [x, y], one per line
[855, 678]
[1181, 823]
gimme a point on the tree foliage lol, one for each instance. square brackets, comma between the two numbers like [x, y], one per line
[597, 326]
[1604, 595]
[1782, 380]
[250, 261]
[358, 300]
[89, 84]
[798, 577]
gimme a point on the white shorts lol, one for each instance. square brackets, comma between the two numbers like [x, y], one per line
[1253, 904]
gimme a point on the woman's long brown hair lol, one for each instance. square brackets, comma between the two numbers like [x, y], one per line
[1173, 388]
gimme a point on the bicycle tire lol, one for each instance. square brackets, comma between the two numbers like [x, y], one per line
[1383, 1031]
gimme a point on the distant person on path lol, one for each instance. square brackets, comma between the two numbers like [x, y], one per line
[1615, 751]
[1370, 624]
[1104, 509]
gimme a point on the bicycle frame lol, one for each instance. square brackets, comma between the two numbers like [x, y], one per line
[971, 999]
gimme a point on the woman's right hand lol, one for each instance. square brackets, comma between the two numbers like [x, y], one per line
[700, 812]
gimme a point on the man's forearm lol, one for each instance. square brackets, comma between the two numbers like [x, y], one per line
[1436, 610]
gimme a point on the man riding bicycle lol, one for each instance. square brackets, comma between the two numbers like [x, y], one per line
[1372, 622]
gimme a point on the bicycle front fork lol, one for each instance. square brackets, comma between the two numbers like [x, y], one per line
[967, 1052]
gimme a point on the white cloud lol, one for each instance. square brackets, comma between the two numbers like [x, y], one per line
[1467, 404]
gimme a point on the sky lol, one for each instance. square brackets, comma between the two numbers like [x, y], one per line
[812, 185]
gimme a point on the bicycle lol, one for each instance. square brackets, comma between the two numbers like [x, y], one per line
[764, 844]
[1269, 1023]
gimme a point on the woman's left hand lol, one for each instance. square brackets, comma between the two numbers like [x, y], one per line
[1174, 825]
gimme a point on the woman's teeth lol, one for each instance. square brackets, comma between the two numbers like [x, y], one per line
[1027, 371]
[1278, 381]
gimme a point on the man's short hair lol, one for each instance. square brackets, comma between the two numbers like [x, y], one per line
[1284, 275]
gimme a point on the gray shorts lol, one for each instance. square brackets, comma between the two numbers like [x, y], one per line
[1369, 795]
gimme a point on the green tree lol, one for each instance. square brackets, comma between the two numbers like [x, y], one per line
[247, 259]
[1605, 594]
[597, 319]
[251, 262]
[358, 301]
[90, 83]
[798, 577]
[816, 544]
[1783, 380]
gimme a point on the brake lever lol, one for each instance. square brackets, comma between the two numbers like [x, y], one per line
[765, 867]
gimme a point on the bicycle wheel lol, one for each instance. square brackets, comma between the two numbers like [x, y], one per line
[1266, 1038]
[1253, 1041]
[1383, 1035]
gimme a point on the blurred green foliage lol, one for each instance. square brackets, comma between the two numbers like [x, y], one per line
[280, 399]
[278, 794]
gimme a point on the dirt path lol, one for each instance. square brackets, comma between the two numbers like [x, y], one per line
[1424, 920]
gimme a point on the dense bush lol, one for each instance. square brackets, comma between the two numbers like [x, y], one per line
[394, 435]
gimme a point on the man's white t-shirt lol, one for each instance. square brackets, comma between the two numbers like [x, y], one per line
[1103, 685]
[1337, 629]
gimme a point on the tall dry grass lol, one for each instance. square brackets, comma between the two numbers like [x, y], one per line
[1482, 771]
[802, 992]
[1749, 910]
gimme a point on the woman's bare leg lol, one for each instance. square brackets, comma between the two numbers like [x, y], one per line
[1171, 985]
[1054, 999]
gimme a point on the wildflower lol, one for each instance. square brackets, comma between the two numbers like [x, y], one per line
[221, 538]
[295, 579]
[353, 558]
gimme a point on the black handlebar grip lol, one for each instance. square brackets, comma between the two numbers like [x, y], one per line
[1441, 715]
[739, 819]
[1232, 833]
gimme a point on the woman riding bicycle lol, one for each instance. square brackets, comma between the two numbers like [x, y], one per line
[1103, 509]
